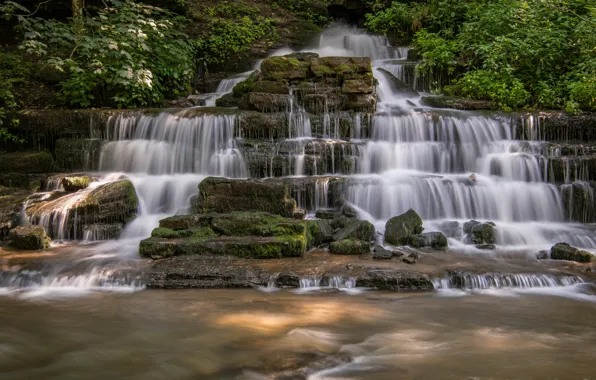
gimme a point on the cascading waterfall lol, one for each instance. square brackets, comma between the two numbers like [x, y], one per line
[504, 280]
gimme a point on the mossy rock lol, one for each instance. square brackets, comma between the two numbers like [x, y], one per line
[76, 183]
[563, 251]
[255, 224]
[480, 233]
[356, 229]
[167, 233]
[228, 100]
[338, 66]
[245, 86]
[27, 162]
[288, 68]
[357, 86]
[157, 248]
[264, 102]
[399, 229]
[318, 232]
[113, 202]
[350, 247]
[180, 222]
[436, 240]
[29, 238]
[270, 87]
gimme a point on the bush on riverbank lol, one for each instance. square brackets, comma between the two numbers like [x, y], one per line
[517, 53]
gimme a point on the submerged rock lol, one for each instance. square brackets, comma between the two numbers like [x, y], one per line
[349, 247]
[29, 238]
[563, 251]
[400, 229]
[11, 201]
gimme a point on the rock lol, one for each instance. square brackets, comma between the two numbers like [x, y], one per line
[435, 240]
[396, 280]
[299, 214]
[181, 103]
[399, 86]
[78, 154]
[26, 162]
[197, 100]
[76, 183]
[11, 201]
[270, 87]
[400, 229]
[356, 229]
[409, 260]
[380, 253]
[287, 280]
[365, 103]
[451, 229]
[228, 100]
[542, 255]
[486, 246]
[480, 233]
[224, 195]
[563, 251]
[578, 199]
[458, 103]
[280, 68]
[29, 238]
[327, 214]
[334, 66]
[349, 211]
[95, 232]
[319, 232]
[242, 234]
[349, 247]
[180, 222]
[357, 86]
[264, 102]
[114, 202]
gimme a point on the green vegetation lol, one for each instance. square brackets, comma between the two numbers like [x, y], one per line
[127, 55]
[520, 54]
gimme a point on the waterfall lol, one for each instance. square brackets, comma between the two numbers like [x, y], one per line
[504, 280]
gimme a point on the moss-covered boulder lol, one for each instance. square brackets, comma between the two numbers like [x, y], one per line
[318, 232]
[228, 100]
[563, 251]
[222, 195]
[399, 230]
[11, 201]
[270, 87]
[349, 247]
[280, 68]
[243, 234]
[110, 203]
[480, 233]
[29, 238]
[27, 162]
[436, 240]
[339, 66]
[76, 183]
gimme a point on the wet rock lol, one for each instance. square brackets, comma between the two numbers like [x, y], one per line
[458, 103]
[349, 211]
[228, 100]
[579, 201]
[196, 100]
[563, 251]
[26, 162]
[356, 229]
[264, 102]
[287, 280]
[451, 229]
[349, 247]
[327, 214]
[409, 260]
[357, 86]
[181, 103]
[435, 240]
[223, 195]
[334, 66]
[299, 214]
[319, 232]
[480, 233]
[270, 87]
[398, 85]
[241, 234]
[76, 183]
[11, 201]
[206, 272]
[486, 246]
[78, 154]
[542, 255]
[29, 238]
[96, 232]
[114, 202]
[400, 229]
[396, 280]
[380, 253]
[365, 103]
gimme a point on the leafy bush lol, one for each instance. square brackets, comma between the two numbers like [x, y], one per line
[524, 53]
[128, 55]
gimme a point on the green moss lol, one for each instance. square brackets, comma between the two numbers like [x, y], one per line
[167, 233]
[156, 248]
[76, 183]
[349, 247]
[270, 87]
[322, 70]
[202, 233]
[280, 68]
[245, 86]
[180, 222]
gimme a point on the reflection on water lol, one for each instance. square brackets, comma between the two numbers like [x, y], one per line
[247, 334]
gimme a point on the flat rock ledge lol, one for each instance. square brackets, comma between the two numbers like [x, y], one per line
[218, 272]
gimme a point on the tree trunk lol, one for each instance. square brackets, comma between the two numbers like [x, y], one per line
[77, 17]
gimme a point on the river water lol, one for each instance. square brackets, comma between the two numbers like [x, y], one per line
[248, 334]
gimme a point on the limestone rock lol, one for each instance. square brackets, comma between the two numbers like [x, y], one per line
[29, 238]
[400, 229]
[563, 251]
[224, 195]
[333, 66]
[349, 247]
[228, 100]
[280, 68]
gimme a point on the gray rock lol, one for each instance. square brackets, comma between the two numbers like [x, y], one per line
[435, 240]
[396, 280]
[400, 229]
[480, 233]
[356, 229]
[380, 253]
[563, 251]
[197, 100]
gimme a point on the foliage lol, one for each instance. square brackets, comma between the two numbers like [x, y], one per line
[130, 54]
[517, 53]
[306, 9]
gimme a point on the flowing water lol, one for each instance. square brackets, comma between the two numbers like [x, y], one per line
[88, 316]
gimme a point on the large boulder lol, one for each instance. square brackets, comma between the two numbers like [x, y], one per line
[436, 240]
[563, 251]
[319, 232]
[76, 183]
[114, 202]
[400, 229]
[242, 234]
[356, 229]
[224, 195]
[334, 66]
[29, 238]
[480, 233]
